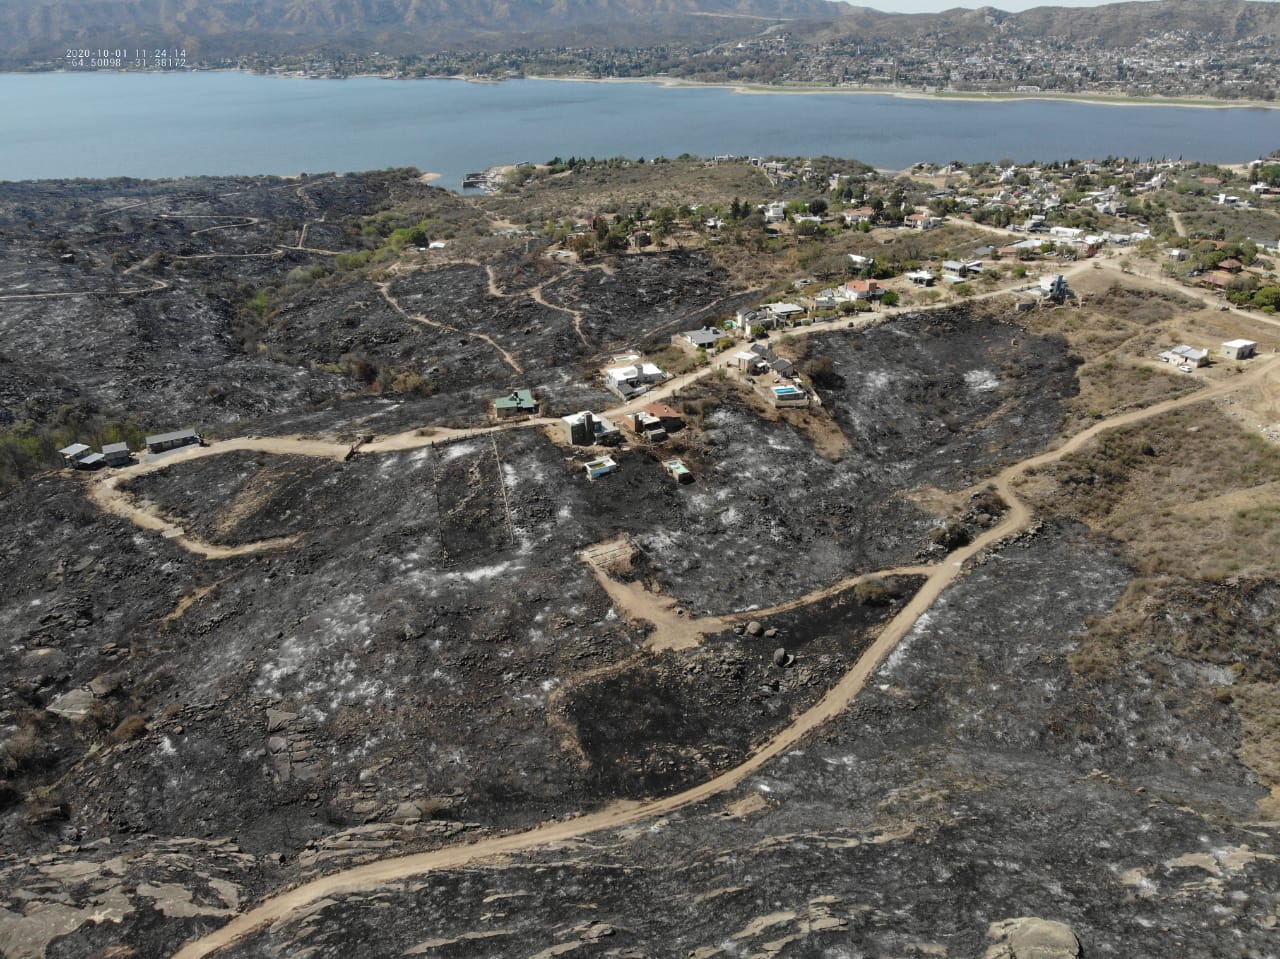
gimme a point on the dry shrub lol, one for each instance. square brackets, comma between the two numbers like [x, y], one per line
[1258, 706]
[131, 727]
[23, 750]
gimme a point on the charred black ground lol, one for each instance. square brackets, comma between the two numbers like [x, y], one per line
[409, 648]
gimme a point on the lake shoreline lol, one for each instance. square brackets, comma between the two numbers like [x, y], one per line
[760, 89]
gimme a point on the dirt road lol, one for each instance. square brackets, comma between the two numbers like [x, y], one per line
[105, 492]
[941, 576]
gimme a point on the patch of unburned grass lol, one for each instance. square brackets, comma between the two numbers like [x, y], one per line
[1173, 489]
[1112, 385]
[1195, 499]
[1258, 706]
[588, 190]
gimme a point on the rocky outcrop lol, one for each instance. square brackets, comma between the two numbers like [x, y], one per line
[1032, 938]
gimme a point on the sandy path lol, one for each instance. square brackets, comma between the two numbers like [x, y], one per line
[385, 289]
[108, 496]
[673, 627]
[103, 489]
[377, 874]
[535, 294]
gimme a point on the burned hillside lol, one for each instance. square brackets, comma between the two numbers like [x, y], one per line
[849, 675]
[945, 397]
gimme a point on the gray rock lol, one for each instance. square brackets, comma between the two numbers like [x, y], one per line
[595, 931]
[277, 719]
[73, 705]
[754, 628]
[106, 684]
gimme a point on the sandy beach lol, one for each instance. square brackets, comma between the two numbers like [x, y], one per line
[1101, 99]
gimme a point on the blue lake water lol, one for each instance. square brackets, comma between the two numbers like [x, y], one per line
[179, 124]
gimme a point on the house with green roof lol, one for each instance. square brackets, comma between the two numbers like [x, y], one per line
[515, 403]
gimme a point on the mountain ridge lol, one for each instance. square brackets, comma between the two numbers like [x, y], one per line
[228, 29]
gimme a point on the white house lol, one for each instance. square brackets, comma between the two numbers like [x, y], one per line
[631, 380]
[922, 221]
[785, 312]
[1238, 349]
[1185, 356]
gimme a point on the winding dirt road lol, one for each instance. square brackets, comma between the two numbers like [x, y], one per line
[1018, 517]
[106, 493]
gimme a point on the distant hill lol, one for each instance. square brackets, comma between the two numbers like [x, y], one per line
[32, 32]
[232, 28]
[1109, 25]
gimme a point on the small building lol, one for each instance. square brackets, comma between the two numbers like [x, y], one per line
[826, 300]
[72, 453]
[748, 320]
[90, 461]
[588, 429]
[515, 403]
[678, 471]
[749, 362]
[1238, 349]
[694, 340]
[775, 212]
[671, 419]
[1184, 355]
[117, 454]
[862, 262]
[1054, 287]
[855, 290]
[600, 467]
[631, 380]
[785, 312]
[171, 441]
[646, 425]
[921, 277]
[922, 221]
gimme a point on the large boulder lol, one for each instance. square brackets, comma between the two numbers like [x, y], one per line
[1032, 938]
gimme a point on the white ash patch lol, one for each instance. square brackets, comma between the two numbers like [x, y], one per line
[981, 381]
[456, 451]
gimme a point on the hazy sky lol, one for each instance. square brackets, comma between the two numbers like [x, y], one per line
[933, 6]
